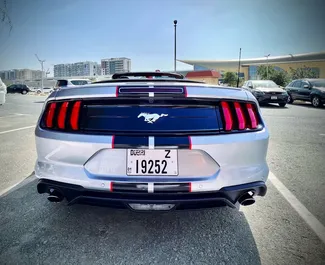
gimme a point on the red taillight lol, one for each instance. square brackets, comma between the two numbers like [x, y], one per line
[246, 116]
[252, 116]
[227, 116]
[74, 119]
[62, 115]
[50, 115]
[240, 116]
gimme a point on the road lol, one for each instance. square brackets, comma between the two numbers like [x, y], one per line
[35, 231]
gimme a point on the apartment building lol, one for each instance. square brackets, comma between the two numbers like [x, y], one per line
[21, 74]
[77, 69]
[115, 65]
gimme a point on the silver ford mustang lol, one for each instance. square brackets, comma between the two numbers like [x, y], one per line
[159, 142]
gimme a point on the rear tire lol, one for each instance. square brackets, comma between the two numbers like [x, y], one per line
[24, 92]
[282, 105]
[290, 100]
[315, 101]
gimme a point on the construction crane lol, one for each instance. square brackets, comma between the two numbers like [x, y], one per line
[47, 72]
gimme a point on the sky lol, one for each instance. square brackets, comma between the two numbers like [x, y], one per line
[68, 31]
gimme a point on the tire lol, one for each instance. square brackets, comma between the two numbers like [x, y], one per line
[39, 91]
[316, 102]
[290, 100]
[282, 105]
[24, 92]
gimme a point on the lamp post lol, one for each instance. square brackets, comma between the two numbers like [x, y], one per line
[267, 66]
[42, 65]
[238, 67]
[175, 24]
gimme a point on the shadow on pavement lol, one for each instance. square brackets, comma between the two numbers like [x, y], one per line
[36, 231]
[306, 105]
[272, 106]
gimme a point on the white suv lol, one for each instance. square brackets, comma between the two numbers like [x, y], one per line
[3, 92]
[65, 83]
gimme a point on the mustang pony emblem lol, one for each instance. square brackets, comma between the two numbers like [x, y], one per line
[151, 117]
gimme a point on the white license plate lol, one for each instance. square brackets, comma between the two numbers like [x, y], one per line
[149, 162]
[274, 97]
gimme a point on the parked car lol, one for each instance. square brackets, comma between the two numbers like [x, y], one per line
[18, 88]
[66, 83]
[3, 92]
[46, 90]
[267, 91]
[146, 144]
[312, 90]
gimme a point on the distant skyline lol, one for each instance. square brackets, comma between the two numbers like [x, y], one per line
[81, 30]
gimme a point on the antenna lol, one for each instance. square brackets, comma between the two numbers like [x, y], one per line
[42, 65]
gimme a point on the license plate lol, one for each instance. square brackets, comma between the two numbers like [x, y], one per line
[274, 97]
[147, 162]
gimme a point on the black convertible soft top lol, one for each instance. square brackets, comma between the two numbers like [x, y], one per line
[160, 77]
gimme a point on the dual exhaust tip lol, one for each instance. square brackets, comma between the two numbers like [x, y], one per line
[247, 199]
[55, 196]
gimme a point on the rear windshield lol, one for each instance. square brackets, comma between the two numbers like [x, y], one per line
[266, 84]
[79, 82]
[62, 83]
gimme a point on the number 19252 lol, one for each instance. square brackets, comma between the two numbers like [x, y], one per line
[151, 166]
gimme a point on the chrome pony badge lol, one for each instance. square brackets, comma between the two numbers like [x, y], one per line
[151, 117]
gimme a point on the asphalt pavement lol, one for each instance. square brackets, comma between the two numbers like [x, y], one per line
[35, 231]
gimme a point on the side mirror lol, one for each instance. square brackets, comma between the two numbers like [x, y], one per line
[250, 86]
[306, 86]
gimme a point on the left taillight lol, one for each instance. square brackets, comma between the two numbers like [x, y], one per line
[62, 116]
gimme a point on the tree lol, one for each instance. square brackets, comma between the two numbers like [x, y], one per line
[280, 77]
[265, 72]
[303, 72]
[230, 78]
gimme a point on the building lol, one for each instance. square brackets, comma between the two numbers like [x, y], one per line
[21, 74]
[77, 69]
[115, 65]
[207, 76]
[248, 67]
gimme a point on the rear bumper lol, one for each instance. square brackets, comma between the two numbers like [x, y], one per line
[227, 196]
[267, 99]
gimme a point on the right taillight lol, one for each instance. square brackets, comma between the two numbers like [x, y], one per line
[252, 116]
[238, 116]
[62, 115]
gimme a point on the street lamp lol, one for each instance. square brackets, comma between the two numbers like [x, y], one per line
[175, 24]
[42, 65]
[267, 65]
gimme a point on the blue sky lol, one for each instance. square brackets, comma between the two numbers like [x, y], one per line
[65, 31]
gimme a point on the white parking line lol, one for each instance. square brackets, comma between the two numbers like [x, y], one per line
[306, 215]
[18, 129]
[12, 188]
[14, 114]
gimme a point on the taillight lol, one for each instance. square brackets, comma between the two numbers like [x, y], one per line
[74, 120]
[252, 116]
[239, 116]
[50, 115]
[62, 115]
[227, 115]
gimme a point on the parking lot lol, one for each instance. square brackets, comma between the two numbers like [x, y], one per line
[284, 227]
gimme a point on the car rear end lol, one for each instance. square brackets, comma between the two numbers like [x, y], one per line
[152, 146]
[272, 96]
